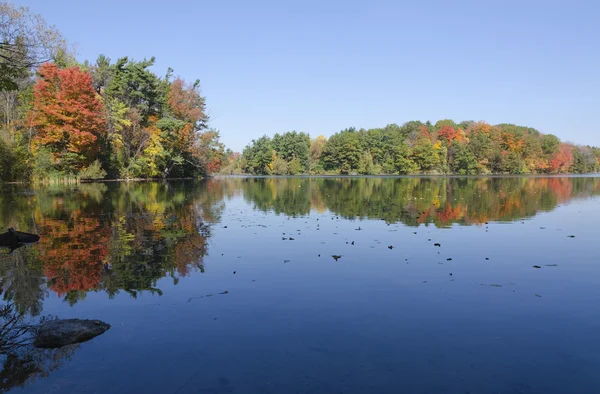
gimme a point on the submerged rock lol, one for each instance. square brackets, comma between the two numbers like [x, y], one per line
[63, 332]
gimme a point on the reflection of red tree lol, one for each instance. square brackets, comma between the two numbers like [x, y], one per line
[189, 250]
[73, 252]
[450, 214]
[562, 188]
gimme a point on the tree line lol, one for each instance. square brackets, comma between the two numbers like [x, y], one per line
[446, 147]
[117, 119]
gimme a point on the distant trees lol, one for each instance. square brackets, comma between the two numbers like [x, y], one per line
[446, 147]
[288, 153]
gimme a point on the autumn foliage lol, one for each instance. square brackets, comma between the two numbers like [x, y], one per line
[67, 114]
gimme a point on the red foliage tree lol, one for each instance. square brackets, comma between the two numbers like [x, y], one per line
[562, 159]
[67, 113]
[447, 133]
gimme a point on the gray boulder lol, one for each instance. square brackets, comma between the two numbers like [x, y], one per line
[59, 333]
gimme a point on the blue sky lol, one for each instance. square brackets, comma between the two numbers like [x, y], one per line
[322, 66]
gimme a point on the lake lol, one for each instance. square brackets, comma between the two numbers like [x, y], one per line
[309, 285]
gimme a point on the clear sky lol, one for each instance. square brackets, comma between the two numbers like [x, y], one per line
[322, 66]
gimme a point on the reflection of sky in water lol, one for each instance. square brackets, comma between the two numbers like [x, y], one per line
[378, 320]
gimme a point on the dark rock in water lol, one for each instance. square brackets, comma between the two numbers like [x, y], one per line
[58, 333]
[14, 239]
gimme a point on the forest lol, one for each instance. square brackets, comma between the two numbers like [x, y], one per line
[446, 147]
[63, 120]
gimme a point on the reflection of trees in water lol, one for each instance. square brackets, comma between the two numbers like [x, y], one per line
[22, 281]
[21, 362]
[109, 237]
[126, 236]
[413, 201]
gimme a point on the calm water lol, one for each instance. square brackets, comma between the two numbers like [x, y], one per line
[229, 286]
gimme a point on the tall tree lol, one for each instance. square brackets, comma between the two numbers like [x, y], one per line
[68, 116]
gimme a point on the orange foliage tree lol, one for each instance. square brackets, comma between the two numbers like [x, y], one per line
[67, 116]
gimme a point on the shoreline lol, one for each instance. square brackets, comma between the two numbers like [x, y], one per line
[307, 176]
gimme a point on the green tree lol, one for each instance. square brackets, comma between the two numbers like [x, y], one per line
[464, 161]
[550, 144]
[425, 155]
[258, 155]
[403, 159]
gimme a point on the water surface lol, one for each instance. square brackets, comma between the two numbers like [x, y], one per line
[309, 285]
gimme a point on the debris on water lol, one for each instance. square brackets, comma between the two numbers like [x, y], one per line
[285, 261]
[291, 239]
[429, 239]
[352, 243]
[449, 259]
[283, 238]
[336, 257]
[495, 285]
[437, 244]
[414, 232]
[570, 236]
[358, 229]
[234, 272]
[537, 295]
[450, 273]
[209, 295]
[391, 247]
[319, 255]
[537, 266]
[542, 228]
[424, 281]
[551, 265]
